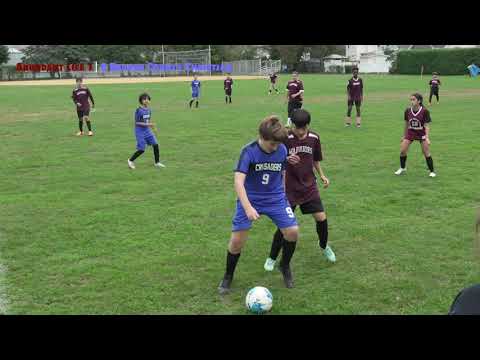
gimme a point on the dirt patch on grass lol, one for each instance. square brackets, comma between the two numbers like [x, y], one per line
[124, 80]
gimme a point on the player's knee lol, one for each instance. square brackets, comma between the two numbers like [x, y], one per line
[291, 234]
[321, 216]
[235, 245]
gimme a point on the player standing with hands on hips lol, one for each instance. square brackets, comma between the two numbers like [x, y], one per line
[294, 96]
[434, 88]
[355, 95]
[417, 120]
[227, 85]
[80, 96]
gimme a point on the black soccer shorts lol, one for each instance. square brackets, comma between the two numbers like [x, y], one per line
[82, 113]
[292, 106]
[311, 207]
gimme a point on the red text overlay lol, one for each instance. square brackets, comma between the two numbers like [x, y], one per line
[54, 67]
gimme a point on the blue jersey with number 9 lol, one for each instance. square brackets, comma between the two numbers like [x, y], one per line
[264, 172]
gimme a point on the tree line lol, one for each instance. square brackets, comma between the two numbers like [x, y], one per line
[290, 55]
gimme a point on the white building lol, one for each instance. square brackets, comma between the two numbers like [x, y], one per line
[331, 62]
[15, 55]
[370, 58]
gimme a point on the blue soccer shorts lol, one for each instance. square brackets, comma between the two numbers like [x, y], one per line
[145, 139]
[280, 213]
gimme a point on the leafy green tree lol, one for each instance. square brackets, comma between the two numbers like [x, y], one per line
[4, 57]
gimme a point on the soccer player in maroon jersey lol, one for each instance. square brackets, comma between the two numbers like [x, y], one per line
[305, 154]
[80, 96]
[273, 81]
[355, 95]
[434, 87]
[227, 85]
[417, 120]
[294, 95]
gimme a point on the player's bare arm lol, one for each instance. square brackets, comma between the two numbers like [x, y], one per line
[318, 168]
[427, 134]
[252, 214]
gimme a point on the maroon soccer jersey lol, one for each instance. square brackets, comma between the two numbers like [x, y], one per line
[434, 83]
[293, 87]
[227, 84]
[355, 88]
[273, 78]
[416, 123]
[301, 183]
[81, 95]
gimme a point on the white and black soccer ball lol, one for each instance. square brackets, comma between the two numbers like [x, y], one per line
[259, 300]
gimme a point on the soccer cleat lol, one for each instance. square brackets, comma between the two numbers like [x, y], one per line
[269, 264]
[131, 165]
[80, 133]
[432, 174]
[159, 165]
[287, 276]
[90, 133]
[225, 284]
[400, 171]
[329, 254]
[347, 125]
[289, 123]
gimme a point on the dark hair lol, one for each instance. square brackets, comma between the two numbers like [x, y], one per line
[272, 129]
[354, 68]
[435, 73]
[78, 79]
[301, 118]
[419, 97]
[295, 72]
[142, 97]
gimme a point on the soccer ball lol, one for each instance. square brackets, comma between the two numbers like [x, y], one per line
[259, 300]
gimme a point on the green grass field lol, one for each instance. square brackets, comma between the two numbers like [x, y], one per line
[80, 233]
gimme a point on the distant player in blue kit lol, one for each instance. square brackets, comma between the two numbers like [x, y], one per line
[144, 133]
[195, 91]
[260, 187]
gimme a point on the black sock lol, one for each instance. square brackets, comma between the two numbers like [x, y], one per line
[196, 103]
[156, 153]
[277, 244]
[232, 260]
[230, 99]
[288, 250]
[429, 163]
[136, 155]
[80, 125]
[403, 161]
[226, 99]
[190, 103]
[269, 91]
[89, 125]
[322, 231]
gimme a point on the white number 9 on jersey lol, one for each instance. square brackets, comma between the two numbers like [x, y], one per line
[289, 212]
[266, 178]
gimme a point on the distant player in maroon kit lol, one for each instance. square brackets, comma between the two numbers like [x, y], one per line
[355, 95]
[417, 120]
[227, 85]
[273, 81]
[305, 154]
[434, 88]
[294, 95]
[80, 96]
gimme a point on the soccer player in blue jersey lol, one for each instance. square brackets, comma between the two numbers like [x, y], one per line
[144, 133]
[195, 91]
[260, 187]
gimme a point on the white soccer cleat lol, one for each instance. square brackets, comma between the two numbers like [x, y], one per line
[269, 264]
[432, 174]
[131, 165]
[90, 133]
[329, 254]
[400, 171]
[159, 165]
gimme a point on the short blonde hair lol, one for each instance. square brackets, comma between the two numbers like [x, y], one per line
[272, 129]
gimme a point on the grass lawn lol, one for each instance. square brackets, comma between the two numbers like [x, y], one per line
[80, 233]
